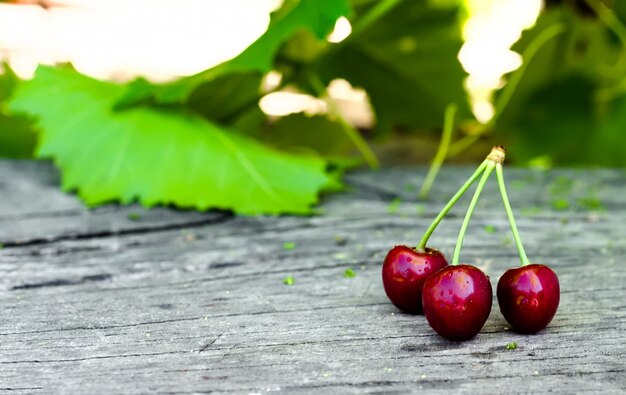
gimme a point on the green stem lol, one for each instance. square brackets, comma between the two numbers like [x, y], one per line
[351, 132]
[422, 244]
[375, 13]
[470, 211]
[610, 20]
[507, 206]
[442, 150]
[464, 143]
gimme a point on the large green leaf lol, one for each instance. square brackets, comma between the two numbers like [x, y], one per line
[8, 81]
[406, 61]
[225, 98]
[17, 136]
[317, 16]
[301, 133]
[158, 155]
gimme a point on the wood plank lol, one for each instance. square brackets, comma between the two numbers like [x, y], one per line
[204, 309]
[33, 210]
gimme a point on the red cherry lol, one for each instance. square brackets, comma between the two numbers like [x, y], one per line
[457, 301]
[529, 297]
[404, 273]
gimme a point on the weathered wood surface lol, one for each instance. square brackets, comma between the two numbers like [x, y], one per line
[93, 301]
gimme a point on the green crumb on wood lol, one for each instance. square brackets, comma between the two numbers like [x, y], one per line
[490, 229]
[562, 185]
[530, 211]
[289, 280]
[560, 204]
[511, 346]
[134, 216]
[410, 187]
[591, 204]
[289, 245]
[392, 208]
[341, 240]
[349, 273]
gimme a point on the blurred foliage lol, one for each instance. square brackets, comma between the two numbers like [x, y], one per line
[17, 132]
[569, 106]
[203, 142]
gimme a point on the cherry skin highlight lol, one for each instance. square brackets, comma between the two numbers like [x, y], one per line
[457, 301]
[404, 273]
[529, 297]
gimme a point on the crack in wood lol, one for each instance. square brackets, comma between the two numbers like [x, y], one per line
[19, 388]
[209, 344]
[132, 355]
[63, 282]
[122, 232]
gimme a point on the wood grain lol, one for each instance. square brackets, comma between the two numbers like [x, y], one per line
[185, 302]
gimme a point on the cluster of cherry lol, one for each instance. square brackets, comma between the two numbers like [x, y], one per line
[456, 299]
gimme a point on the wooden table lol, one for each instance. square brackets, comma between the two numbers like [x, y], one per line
[122, 299]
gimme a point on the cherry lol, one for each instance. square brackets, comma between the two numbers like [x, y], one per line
[528, 297]
[457, 301]
[404, 271]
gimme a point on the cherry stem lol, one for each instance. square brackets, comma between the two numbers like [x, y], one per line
[422, 245]
[507, 206]
[470, 210]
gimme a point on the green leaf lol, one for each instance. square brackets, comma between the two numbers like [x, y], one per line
[17, 136]
[407, 63]
[17, 133]
[159, 155]
[317, 16]
[8, 81]
[226, 98]
[301, 133]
